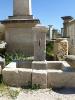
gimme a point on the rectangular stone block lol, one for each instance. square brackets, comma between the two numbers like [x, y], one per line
[10, 76]
[39, 65]
[24, 77]
[17, 76]
[24, 64]
[39, 78]
[58, 78]
[54, 65]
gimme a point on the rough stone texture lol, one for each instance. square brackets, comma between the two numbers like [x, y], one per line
[39, 42]
[18, 34]
[58, 78]
[39, 77]
[21, 39]
[71, 60]
[16, 76]
[39, 65]
[60, 48]
[10, 76]
[54, 65]
[22, 7]
[69, 31]
[24, 64]
[24, 77]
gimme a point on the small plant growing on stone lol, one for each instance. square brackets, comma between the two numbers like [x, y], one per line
[36, 86]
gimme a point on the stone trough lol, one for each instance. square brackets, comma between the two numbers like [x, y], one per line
[45, 74]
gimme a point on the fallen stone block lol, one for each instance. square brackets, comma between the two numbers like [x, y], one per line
[39, 78]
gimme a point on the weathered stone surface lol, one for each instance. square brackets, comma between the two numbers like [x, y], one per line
[39, 65]
[22, 7]
[10, 76]
[24, 76]
[40, 42]
[58, 78]
[71, 60]
[16, 76]
[23, 64]
[60, 48]
[19, 35]
[39, 78]
[54, 65]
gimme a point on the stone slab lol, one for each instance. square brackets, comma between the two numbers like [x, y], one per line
[24, 77]
[10, 76]
[16, 76]
[58, 78]
[39, 78]
[39, 65]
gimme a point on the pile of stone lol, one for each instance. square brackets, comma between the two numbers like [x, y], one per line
[60, 48]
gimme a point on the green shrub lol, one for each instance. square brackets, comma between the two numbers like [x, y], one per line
[49, 50]
[9, 57]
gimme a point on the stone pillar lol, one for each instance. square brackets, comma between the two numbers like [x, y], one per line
[66, 20]
[50, 31]
[39, 42]
[22, 7]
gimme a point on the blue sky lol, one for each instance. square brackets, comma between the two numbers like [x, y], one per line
[48, 11]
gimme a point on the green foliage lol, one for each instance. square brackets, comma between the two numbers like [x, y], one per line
[8, 91]
[9, 57]
[49, 51]
[36, 86]
[49, 48]
[13, 93]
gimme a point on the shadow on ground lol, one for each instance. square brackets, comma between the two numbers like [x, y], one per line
[64, 90]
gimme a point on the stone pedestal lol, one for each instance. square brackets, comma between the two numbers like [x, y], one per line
[39, 42]
[19, 35]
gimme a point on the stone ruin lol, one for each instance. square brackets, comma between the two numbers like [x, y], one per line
[40, 73]
[60, 48]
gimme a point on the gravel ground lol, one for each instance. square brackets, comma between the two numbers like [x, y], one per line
[43, 94]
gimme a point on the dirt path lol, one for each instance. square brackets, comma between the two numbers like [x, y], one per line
[43, 94]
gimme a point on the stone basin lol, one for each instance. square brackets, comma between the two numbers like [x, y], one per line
[47, 74]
